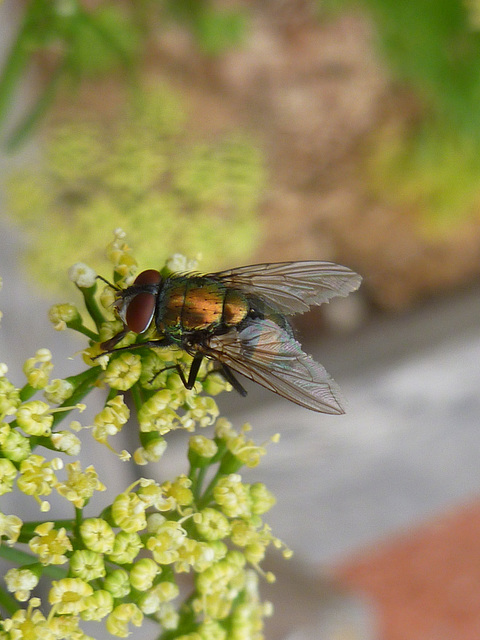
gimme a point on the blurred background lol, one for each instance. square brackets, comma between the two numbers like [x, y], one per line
[268, 130]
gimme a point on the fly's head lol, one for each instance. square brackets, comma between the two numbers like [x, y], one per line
[135, 305]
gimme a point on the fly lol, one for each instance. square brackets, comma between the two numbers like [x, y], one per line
[238, 318]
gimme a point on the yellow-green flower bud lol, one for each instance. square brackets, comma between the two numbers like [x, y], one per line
[123, 371]
[211, 524]
[179, 490]
[21, 582]
[203, 411]
[111, 419]
[69, 595]
[262, 500]
[63, 316]
[224, 429]
[37, 476]
[34, 418]
[151, 452]
[117, 583]
[164, 545]
[212, 630]
[80, 486]
[15, 446]
[148, 603]
[50, 544]
[254, 552]
[67, 442]
[38, 369]
[87, 565]
[10, 527]
[82, 275]
[215, 384]
[166, 590]
[98, 605]
[123, 614]
[128, 512]
[232, 496]
[201, 450]
[58, 390]
[143, 573]
[9, 398]
[167, 616]
[8, 473]
[126, 548]
[97, 535]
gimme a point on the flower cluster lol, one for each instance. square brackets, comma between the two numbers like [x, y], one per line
[141, 170]
[125, 564]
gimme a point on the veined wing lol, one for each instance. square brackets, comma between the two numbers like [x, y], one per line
[292, 287]
[268, 355]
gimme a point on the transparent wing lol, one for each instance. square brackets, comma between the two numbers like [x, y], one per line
[292, 287]
[268, 355]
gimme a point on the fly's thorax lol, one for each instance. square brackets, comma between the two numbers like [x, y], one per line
[189, 304]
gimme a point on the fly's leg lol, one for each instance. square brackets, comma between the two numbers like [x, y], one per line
[227, 374]
[229, 377]
[192, 374]
[108, 344]
[189, 382]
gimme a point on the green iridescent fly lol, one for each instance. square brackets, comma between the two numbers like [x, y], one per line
[239, 319]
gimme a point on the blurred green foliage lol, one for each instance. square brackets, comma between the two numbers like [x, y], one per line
[215, 28]
[74, 42]
[434, 47]
[428, 167]
[77, 41]
[431, 176]
[141, 172]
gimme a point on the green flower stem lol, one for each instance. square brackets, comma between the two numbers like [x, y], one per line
[33, 118]
[21, 558]
[78, 520]
[81, 328]
[109, 41]
[14, 66]
[27, 392]
[92, 305]
[137, 397]
[197, 476]
[205, 499]
[8, 602]
[85, 382]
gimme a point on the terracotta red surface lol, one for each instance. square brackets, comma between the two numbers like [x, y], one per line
[424, 584]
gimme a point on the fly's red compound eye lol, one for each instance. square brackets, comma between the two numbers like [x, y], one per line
[140, 312]
[150, 276]
[141, 307]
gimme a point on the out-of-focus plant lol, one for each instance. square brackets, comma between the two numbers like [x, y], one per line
[75, 40]
[434, 47]
[184, 553]
[215, 28]
[432, 178]
[428, 166]
[143, 173]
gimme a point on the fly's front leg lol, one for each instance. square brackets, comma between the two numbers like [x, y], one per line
[108, 344]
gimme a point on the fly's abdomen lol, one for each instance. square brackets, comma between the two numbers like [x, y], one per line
[195, 305]
[235, 308]
[202, 308]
